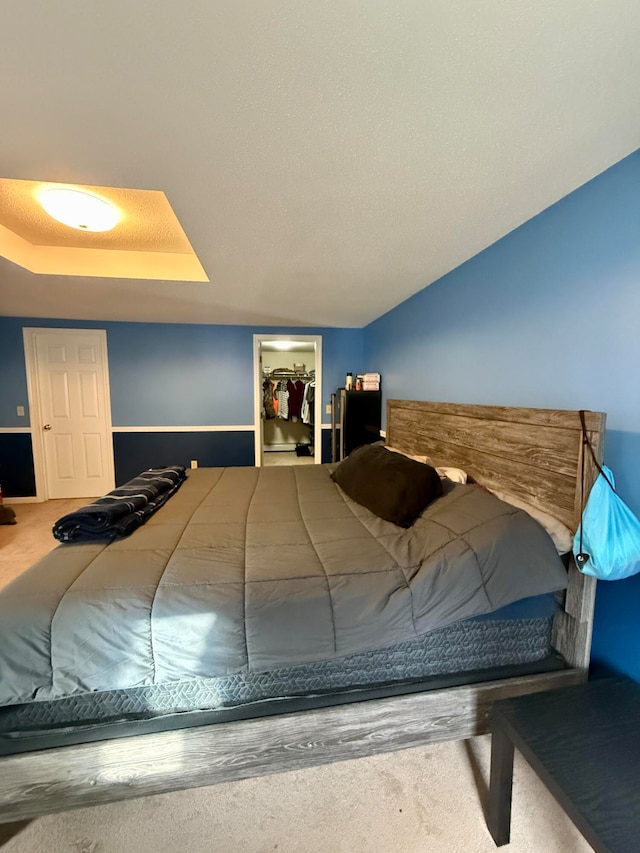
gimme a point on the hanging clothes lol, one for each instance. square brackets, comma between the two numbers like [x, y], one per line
[282, 396]
[296, 392]
[308, 403]
[268, 399]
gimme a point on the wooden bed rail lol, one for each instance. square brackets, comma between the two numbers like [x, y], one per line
[55, 780]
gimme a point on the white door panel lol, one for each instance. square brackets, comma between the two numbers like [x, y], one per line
[56, 354]
[89, 395]
[93, 462]
[87, 354]
[62, 456]
[58, 393]
[76, 423]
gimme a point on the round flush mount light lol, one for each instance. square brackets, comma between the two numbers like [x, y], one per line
[79, 209]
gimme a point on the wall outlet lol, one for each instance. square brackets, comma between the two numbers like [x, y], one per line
[20, 411]
[194, 463]
[328, 408]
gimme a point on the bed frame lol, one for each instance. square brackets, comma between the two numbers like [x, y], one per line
[534, 453]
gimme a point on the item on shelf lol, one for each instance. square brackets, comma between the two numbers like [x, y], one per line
[370, 381]
[348, 384]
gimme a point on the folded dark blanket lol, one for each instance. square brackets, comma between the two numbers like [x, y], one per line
[123, 510]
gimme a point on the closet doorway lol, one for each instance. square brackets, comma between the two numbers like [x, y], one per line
[287, 399]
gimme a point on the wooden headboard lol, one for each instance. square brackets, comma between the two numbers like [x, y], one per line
[535, 454]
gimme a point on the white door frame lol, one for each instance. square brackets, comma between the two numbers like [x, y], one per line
[257, 396]
[35, 411]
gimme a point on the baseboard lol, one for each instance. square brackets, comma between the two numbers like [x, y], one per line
[27, 500]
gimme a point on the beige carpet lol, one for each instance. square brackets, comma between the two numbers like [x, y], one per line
[24, 543]
[285, 457]
[428, 799]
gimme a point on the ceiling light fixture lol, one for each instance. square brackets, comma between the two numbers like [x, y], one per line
[79, 209]
[285, 345]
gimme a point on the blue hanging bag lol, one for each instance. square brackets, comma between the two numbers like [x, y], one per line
[607, 543]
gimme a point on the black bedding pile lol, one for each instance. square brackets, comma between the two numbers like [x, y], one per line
[123, 510]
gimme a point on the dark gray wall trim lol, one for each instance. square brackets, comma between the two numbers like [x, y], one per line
[326, 445]
[17, 475]
[136, 451]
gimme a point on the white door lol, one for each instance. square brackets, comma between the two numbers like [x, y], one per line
[74, 412]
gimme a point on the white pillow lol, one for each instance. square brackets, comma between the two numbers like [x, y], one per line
[445, 472]
[456, 475]
[423, 459]
[559, 532]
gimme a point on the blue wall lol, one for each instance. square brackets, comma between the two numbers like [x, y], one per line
[164, 375]
[547, 317]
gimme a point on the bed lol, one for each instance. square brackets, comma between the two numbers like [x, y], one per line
[535, 454]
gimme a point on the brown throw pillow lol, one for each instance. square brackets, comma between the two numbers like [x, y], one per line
[390, 485]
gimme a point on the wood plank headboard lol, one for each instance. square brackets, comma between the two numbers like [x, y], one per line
[535, 454]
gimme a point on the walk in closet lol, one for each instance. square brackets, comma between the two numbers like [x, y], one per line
[287, 372]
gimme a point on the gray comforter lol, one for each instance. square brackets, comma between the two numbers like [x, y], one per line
[255, 569]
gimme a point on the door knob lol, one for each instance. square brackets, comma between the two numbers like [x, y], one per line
[47, 426]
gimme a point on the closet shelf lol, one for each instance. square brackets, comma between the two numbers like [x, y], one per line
[289, 374]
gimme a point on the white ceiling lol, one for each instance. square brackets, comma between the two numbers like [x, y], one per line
[327, 159]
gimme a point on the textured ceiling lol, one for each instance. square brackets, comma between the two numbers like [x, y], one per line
[148, 224]
[146, 243]
[326, 160]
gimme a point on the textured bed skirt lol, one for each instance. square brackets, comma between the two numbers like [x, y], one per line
[519, 634]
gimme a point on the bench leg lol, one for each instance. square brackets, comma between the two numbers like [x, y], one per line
[500, 787]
